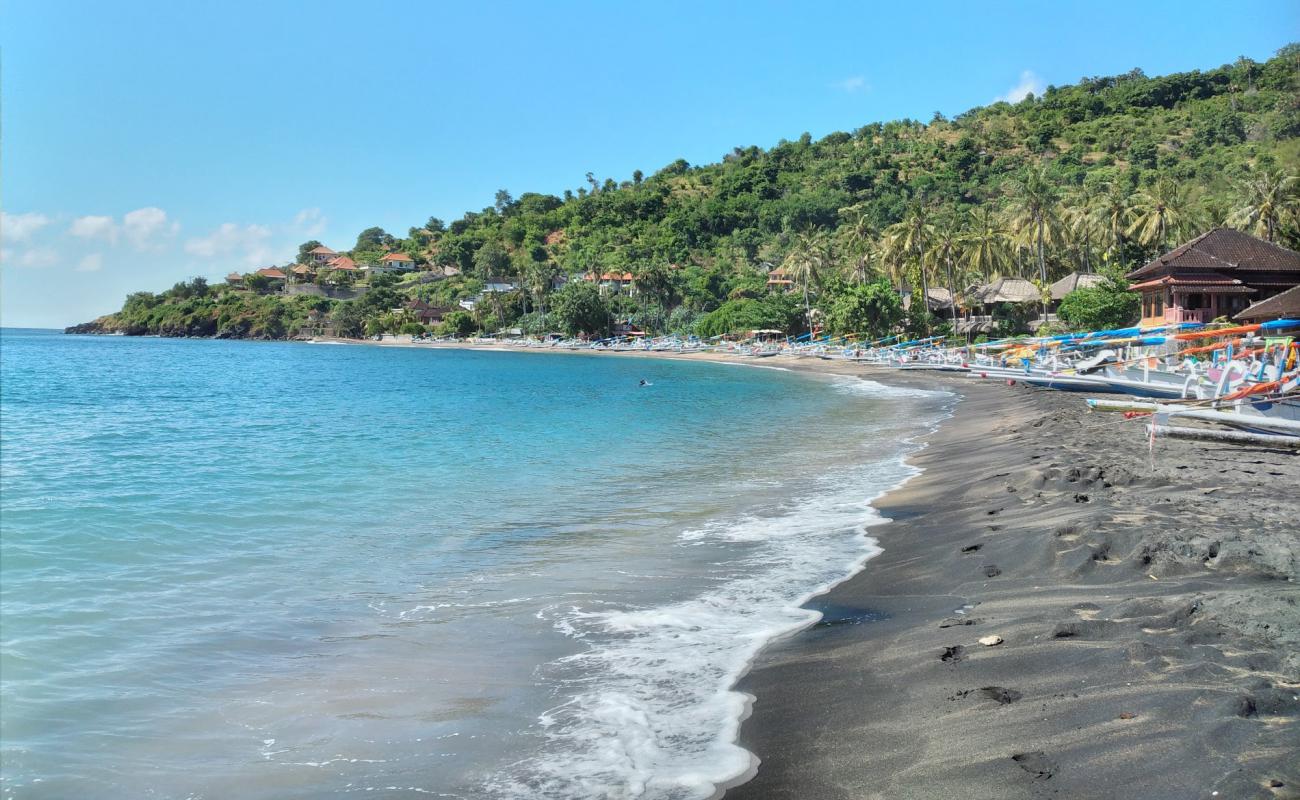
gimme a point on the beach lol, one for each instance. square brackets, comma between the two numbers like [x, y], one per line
[1145, 602]
[1142, 595]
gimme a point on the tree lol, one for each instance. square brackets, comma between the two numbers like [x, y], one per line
[947, 244]
[1265, 198]
[985, 245]
[491, 261]
[1161, 209]
[256, 282]
[1114, 211]
[872, 309]
[457, 323]
[1035, 200]
[374, 239]
[503, 202]
[579, 308]
[910, 236]
[806, 260]
[1107, 305]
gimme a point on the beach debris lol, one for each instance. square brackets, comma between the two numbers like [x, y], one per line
[953, 654]
[992, 570]
[990, 641]
[1003, 695]
[1127, 715]
[971, 548]
[953, 623]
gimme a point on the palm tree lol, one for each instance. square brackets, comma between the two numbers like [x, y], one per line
[910, 236]
[861, 239]
[806, 260]
[985, 245]
[1267, 197]
[947, 245]
[1161, 209]
[1081, 223]
[1114, 211]
[1036, 213]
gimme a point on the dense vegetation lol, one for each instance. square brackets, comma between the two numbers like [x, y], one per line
[1098, 176]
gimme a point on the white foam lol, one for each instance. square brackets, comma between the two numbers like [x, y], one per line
[852, 384]
[651, 712]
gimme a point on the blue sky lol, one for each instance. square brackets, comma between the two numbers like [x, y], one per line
[147, 142]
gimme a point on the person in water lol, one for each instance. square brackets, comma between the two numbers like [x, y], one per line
[643, 381]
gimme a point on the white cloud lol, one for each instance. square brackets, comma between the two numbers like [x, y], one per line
[1029, 84]
[20, 227]
[91, 263]
[142, 228]
[857, 83]
[32, 258]
[310, 222]
[249, 243]
[92, 227]
[144, 225]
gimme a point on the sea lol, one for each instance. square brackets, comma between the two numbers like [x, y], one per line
[296, 570]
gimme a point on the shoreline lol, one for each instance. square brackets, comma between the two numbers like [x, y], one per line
[1141, 655]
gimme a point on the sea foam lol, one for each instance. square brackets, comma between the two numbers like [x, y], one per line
[651, 711]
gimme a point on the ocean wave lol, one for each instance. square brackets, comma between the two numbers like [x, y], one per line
[651, 711]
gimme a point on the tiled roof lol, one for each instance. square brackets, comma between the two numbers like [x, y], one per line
[342, 262]
[1223, 249]
[234, 276]
[1075, 280]
[1206, 279]
[271, 272]
[323, 251]
[1280, 306]
[397, 257]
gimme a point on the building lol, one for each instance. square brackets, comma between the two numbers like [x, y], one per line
[778, 280]
[1073, 281]
[982, 301]
[322, 255]
[302, 273]
[235, 279]
[610, 281]
[1280, 306]
[342, 263]
[1217, 274]
[426, 314]
[397, 261]
[498, 286]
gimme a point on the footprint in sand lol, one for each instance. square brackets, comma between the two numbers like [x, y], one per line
[1037, 764]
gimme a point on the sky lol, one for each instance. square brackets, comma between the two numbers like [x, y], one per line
[144, 142]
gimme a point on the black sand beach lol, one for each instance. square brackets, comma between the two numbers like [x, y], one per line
[1146, 605]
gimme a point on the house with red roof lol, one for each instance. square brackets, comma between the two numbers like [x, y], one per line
[322, 255]
[398, 261]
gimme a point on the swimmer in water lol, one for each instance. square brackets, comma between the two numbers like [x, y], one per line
[643, 382]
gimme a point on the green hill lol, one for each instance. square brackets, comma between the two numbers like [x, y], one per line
[1097, 176]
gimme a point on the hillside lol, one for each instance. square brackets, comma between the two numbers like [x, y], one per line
[1097, 176]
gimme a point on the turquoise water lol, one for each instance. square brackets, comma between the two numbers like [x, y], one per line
[270, 570]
